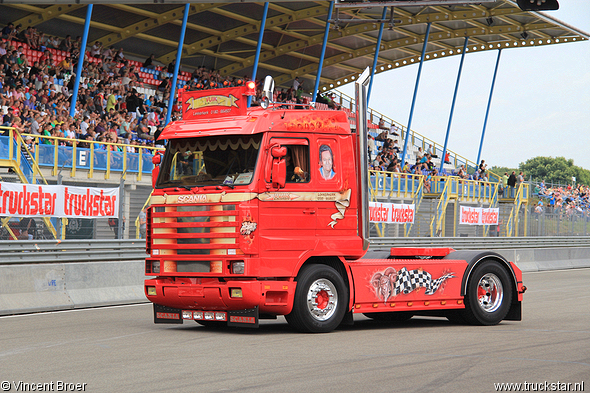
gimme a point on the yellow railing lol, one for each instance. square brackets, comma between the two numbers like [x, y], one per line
[75, 143]
[436, 224]
[521, 197]
[395, 185]
[145, 205]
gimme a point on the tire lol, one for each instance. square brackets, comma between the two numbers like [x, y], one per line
[400, 316]
[489, 294]
[320, 302]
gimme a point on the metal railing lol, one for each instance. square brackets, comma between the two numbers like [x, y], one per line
[58, 153]
[480, 243]
[69, 251]
[75, 251]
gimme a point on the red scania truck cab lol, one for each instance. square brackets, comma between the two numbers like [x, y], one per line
[263, 211]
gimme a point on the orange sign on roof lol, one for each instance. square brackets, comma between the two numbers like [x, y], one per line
[213, 103]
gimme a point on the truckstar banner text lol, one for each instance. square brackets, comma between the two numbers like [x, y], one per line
[479, 216]
[391, 213]
[41, 200]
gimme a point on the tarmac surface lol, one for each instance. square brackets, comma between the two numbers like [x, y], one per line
[120, 349]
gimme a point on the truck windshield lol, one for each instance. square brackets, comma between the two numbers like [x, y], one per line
[210, 161]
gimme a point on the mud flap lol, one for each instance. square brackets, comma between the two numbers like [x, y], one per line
[515, 312]
[243, 318]
[163, 314]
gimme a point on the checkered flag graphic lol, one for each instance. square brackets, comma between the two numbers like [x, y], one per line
[409, 280]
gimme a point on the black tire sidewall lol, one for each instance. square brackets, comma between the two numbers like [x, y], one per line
[300, 317]
[473, 311]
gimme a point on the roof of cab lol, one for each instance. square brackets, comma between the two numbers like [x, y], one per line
[259, 120]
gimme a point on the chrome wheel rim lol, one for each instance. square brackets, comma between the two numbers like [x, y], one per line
[490, 292]
[322, 299]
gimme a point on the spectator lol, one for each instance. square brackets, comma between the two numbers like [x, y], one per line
[148, 63]
[8, 31]
[66, 44]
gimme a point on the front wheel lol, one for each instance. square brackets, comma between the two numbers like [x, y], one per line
[489, 294]
[320, 300]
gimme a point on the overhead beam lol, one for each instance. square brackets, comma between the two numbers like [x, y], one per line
[40, 15]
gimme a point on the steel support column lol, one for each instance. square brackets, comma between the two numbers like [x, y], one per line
[323, 54]
[259, 46]
[485, 122]
[177, 65]
[74, 99]
[442, 161]
[383, 15]
[409, 130]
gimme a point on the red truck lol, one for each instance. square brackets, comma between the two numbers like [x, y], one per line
[263, 211]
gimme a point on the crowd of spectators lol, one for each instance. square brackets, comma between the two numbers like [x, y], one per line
[571, 199]
[35, 93]
[35, 96]
[388, 159]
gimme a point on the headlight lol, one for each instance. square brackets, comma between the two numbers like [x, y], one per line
[155, 266]
[220, 316]
[187, 314]
[151, 291]
[237, 267]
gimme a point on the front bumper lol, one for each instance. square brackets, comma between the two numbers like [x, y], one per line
[211, 294]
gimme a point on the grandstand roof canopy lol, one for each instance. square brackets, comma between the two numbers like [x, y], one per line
[224, 35]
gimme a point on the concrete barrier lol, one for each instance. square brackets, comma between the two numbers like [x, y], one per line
[541, 259]
[57, 286]
[31, 288]
[99, 283]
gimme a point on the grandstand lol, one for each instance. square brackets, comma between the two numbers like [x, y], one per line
[56, 157]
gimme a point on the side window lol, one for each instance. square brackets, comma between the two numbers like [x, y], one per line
[326, 160]
[297, 159]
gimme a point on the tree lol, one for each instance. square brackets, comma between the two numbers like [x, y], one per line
[554, 170]
[500, 170]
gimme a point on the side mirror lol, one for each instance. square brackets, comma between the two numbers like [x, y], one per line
[268, 90]
[278, 151]
[276, 167]
[156, 160]
[279, 172]
[155, 173]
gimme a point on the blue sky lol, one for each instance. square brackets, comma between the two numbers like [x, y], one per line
[540, 107]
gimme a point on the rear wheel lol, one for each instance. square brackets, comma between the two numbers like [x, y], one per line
[489, 294]
[320, 300]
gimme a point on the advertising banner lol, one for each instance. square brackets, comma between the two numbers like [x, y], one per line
[391, 213]
[41, 200]
[479, 216]
[213, 103]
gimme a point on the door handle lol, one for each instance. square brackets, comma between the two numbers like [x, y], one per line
[308, 211]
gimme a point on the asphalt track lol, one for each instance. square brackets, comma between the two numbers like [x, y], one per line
[119, 349]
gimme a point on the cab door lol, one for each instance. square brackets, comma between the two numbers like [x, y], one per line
[288, 216]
